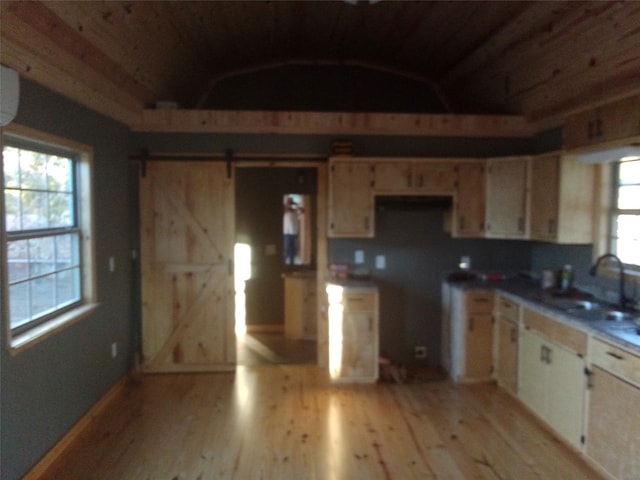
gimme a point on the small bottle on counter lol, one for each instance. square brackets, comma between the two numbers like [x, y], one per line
[566, 277]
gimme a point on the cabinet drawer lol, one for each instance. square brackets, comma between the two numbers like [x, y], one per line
[481, 302]
[538, 322]
[571, 338]
[508, 309]
[359, 302]
[616, 360]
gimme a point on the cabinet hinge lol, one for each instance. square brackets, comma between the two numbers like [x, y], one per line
[583, 439]
[493, 369]
[589, 374]
[332, 226]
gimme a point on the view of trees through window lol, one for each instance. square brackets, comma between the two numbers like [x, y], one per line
[626, 215]
[43, 247]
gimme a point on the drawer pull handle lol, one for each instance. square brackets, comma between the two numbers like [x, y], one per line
[615, 355]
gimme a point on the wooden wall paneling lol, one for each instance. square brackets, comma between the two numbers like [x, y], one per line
[150, 45]
[34, 55]
[322, 265]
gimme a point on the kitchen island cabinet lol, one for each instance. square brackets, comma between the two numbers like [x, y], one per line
[613, 423]
[350, 198]
[353, 332]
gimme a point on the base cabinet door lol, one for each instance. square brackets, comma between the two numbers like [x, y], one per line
[507, 354]
[551, 382]
[353, 334]
[566, 392]
[613, 425]
[358, 351]
[478, 342]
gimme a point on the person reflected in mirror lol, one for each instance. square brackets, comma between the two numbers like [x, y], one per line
[290, 229]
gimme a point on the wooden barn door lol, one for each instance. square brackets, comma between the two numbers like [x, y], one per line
[187, 235]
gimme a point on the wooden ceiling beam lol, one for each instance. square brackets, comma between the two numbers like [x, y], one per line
[333, 123]
[33, 55]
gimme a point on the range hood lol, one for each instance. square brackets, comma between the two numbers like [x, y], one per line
[616, 154]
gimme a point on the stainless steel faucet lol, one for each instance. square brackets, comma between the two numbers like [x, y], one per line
[594, 269]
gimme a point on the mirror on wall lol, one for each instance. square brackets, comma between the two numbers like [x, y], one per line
[297, 234]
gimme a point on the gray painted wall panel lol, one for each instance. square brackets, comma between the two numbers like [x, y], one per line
[47, 388]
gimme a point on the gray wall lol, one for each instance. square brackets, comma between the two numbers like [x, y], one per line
[45, 389]
[418, 255]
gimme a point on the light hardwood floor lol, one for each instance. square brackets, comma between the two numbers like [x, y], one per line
[289, 422]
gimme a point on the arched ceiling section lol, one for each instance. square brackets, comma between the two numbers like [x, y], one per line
[538, 59]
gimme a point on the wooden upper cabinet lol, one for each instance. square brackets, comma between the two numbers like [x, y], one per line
[350, 198]
[393, 176]
[414, 177]
[435, 177]
[561, 199]
[470, 204]
[610, 122]
[507, 197]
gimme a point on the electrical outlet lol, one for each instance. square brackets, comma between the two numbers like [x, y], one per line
[420, 352]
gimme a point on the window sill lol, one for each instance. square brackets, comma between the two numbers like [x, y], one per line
[34, 336]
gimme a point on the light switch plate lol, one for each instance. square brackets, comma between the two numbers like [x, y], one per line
[359, 256]
[381, 262]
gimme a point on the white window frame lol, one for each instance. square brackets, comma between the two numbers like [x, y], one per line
[615, 211]
[83, 156]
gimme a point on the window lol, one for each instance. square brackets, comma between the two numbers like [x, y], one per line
[47, 247]
[625, 221]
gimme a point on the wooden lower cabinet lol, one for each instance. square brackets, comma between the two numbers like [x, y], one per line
[471, 334]
[506, 354]
[552, 383]
[613, 421]
[300, 306]
[353, 334]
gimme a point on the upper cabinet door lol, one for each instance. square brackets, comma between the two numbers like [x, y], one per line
[507, 198]
[561, 199]
[435, 178]
[545, 175]
[470, 203]
[393, 176]
[350, 199]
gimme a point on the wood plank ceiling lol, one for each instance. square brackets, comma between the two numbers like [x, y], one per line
[540, 60]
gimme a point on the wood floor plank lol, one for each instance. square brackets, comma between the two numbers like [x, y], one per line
[281, 422]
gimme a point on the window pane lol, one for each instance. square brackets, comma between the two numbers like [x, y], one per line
[628, 226]
[33, 170]
[42, 256]
[43, 295]
[60, 176]
[11, 160]
[12, 210]
[19, 304]
[67, 251]
[628, 251]
[629, 197]
[18, 260]
[60, 210]
[34, 210]
[630, 172]
[68, 286]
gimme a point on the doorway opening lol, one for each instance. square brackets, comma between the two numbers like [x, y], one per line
[271, 250]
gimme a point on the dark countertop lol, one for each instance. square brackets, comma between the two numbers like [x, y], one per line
[558, 305]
